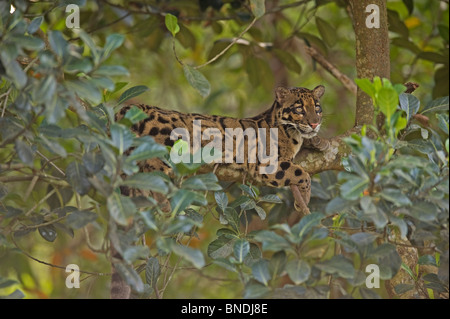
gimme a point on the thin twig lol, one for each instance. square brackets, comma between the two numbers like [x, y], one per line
[40, 202]
[51, 163]
[327, 65]
[228, 46]
[53, 265]
[6, 95]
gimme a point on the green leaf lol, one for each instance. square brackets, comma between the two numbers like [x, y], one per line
[337, 204]
[194, 256]
[433, 57]
[241, 248]
[443, 122]
[130, 276]
[77, 178]
[248, 204]
[147, 149]
[254, 290]
[258, 8]
[44, 91]
[147, 181]
[16, 294]
[353, 188]
[113, 41]
[80, 218]
[92, 46]
[272, 241]
[120, 208]
[152, 271]
[298, 270]
[288, 60]
[396, 24]
[182, 224]
[29, 43]
[197, 80]
[311, 39]
[338, 265]
[253, 255]
[225, 263]
[363, 241]
[423, 211]
[5, 282]
[232, 217]
[427, 260]
[122, 137]
[409, 5]
[260, 271]
[135, 115]
[35, 24]
[172, 24]
[132, 92]
[221, 247]
[48, 232]
[304, 226]
[271, 198]
[53, 146]
[221, 200]
[395, 196]
[387, 100]
[202, 182]
[373, 212]
[261, 212]
[440, 104]
[407, 44]
[133, 253]
[327, 32]
[402, 288]
[57, 43]
[410, 104]
[84, 90]
[149, 220]
[14, 71]
[183, 198]
[93, 162]
[111, 70]
[25, 153]
[277, 263]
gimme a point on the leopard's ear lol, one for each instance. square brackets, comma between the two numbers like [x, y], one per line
[281, 93]
[318, 91]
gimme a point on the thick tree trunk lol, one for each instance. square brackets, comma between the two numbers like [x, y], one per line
[372, 51]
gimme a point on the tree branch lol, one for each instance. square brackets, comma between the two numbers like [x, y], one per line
[327, 65]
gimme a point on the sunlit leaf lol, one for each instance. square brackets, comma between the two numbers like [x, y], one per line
[172, 24]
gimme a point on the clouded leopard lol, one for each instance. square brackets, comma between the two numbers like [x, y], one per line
[295, 117]
[293, 120]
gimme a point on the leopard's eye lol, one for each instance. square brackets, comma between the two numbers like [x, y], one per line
[299, 110]
[318, 109]
[298, 107]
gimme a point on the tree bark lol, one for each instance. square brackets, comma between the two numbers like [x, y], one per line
[372, 52]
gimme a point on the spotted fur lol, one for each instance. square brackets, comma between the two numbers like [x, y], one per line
[296, 112]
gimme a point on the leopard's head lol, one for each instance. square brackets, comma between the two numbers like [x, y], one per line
[299, 109]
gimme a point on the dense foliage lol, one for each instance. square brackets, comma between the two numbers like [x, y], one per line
[63, 158]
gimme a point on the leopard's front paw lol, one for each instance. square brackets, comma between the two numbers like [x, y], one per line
[320, 143]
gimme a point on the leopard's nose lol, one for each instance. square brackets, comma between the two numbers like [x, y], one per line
[314, 125]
